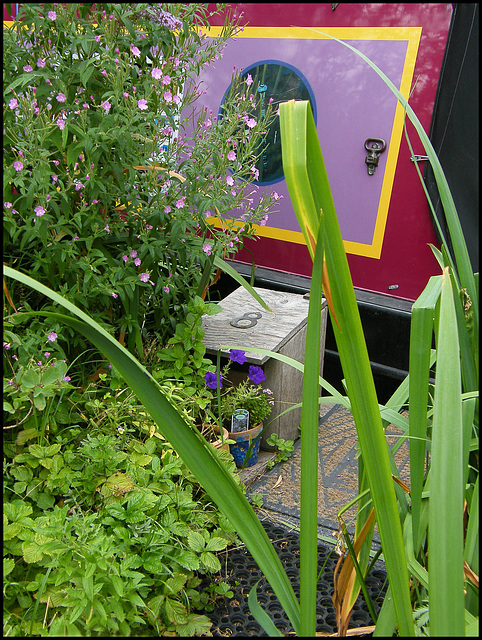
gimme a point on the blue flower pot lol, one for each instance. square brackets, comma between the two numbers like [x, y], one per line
[243, 440]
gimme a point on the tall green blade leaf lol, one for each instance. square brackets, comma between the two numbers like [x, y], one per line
[200, 459]
[309, 452]
[298, 133]
[445, 529]
[462, 260]
[421, 331]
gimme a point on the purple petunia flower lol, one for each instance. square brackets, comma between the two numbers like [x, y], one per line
[256, 374]
[236, 355]
[212, 380]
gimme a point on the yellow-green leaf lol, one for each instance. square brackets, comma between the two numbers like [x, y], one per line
[195, 541]
[12, 530]
[32, 553]
[216, 544]
[210, 561]
[176, 611]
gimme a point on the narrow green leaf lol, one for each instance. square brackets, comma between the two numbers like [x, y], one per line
[227, 268]
[461, 255]
[88, 586]
[309, 449]
[445, 531]
[260, 615]
[118, 585]
[201, 459]
[421, 330]
[296, 116]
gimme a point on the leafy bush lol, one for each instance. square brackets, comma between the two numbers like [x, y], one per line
[109, 535]
[111, 176]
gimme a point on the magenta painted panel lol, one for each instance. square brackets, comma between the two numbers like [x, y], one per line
[406, 260]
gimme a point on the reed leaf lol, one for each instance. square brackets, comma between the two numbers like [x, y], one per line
[445, 529]
[310, 193]
[421, 330]
[200, 458]
[461, 255]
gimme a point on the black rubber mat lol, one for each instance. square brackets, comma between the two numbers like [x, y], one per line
[233, 617]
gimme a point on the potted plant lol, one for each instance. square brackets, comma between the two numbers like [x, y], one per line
[242, 409]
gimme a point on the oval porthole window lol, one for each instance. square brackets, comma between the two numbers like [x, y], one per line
[279, 82]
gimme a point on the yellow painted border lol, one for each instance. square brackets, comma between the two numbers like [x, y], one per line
[412, 36]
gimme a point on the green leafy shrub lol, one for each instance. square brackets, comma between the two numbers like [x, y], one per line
[109, 536]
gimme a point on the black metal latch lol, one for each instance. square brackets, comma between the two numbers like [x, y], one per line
[374, 146]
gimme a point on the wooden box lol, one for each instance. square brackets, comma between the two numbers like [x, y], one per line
[243, 324]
